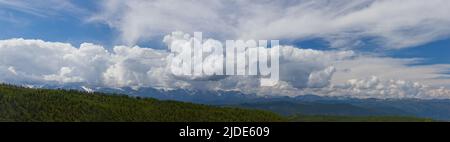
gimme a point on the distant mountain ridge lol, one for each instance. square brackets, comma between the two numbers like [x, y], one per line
[21, 104]
[306, 104]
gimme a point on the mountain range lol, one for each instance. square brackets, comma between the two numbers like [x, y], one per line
[284, 105]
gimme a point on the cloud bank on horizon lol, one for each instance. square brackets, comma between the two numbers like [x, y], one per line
[302, 71]
[340, 71]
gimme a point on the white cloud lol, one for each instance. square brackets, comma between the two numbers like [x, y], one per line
[391, 68]
[53, 62]
[390, 23]
[374, 87]
[37, 60]
[300, 68]
[302, 71]
[137, 67]
[48, 8]
[321, 79]
[65, 75]
[12, 70]
[139, 20]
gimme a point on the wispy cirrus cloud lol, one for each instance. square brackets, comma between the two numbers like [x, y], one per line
[47, 8]
[390, 24]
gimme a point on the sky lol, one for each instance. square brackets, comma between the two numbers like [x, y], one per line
[353, 48]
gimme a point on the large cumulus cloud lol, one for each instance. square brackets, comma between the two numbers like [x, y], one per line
[58, 63]
[373, 86]
[52, 62]
[300, 68]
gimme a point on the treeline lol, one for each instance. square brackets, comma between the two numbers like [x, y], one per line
[44, 105]
[26, 104]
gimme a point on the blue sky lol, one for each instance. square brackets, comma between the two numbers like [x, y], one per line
[66, 28]
[405, 42]
[74, 29]
[62, 27]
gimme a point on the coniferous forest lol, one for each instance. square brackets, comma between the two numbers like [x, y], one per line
[19, 104]
[25, 104]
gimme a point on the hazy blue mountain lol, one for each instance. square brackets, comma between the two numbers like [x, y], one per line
[307, 104]
[309, 108]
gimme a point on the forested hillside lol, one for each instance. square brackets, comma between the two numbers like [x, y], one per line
[25, 104]
[45, 105]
